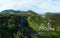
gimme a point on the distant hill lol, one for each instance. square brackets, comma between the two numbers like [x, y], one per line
[10, 11]
[14, 11]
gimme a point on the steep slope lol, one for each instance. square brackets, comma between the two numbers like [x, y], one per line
[28, 24]
[53, 21]
[35, 20]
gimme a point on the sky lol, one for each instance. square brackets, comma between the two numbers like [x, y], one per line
[39, 6]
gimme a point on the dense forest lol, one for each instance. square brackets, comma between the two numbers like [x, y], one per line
[28, 24]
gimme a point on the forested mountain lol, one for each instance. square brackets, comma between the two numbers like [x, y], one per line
[29, 24]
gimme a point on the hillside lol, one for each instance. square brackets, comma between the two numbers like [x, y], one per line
[28, 24]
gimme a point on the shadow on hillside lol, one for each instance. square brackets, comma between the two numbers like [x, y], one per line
[10, 26]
